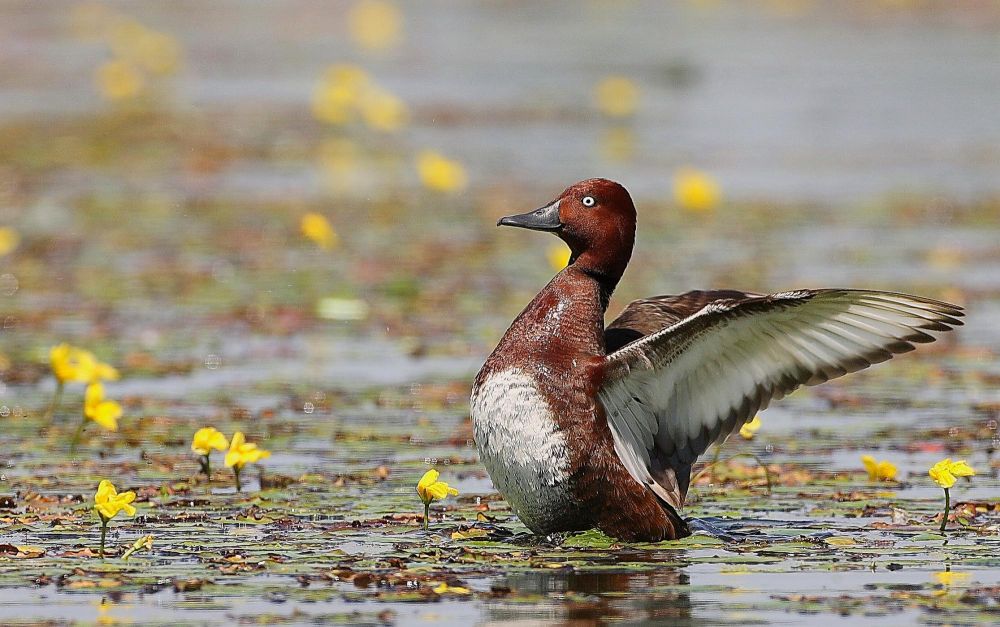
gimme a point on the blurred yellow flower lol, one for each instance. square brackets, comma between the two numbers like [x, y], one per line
[444, 588]
[383, 111]
[440, 173]
[208, 438]
[339, 93]
[945, 472]
[119, 80]
[9, 240]
[375, 24]
[242, 452]
[72, 364]
[318, 229]
[695, 190]
[108, 502]
[616, 96]
[104, 413]
[429, 489]
[558, 255]
[617, 144]
[76, 365]
[879, 470]
[946, 577]
[749, 429]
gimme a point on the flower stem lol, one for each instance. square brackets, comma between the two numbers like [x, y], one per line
[236, 471]
[56, 399]
[427, 512]
[76, 435]
[947, 508]
[206, 467]
[104, 534]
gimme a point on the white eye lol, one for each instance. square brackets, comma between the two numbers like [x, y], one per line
[588, 201]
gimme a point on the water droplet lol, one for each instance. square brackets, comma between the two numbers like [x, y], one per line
[953, 432]
[4, 411]
[3, 477]
[8, 284]
[470, 443]
[769, 449]
[991, 425]
[308, 408]
[212, 362]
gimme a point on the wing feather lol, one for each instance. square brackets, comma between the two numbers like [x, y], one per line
[671, 393]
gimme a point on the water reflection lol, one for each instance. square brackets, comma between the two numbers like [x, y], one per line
[592, 598]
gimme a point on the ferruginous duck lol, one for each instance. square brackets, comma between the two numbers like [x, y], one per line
[582, 425]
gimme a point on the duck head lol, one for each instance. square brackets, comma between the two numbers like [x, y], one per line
[596, 219]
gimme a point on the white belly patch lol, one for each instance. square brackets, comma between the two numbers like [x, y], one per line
[523, 449]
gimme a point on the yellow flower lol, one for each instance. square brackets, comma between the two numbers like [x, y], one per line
[72, 364]
[9, 239]
[242, 452]
[444, 588]
[375, 24]
[318, 229]
[944, 472]
[337, 98]
[430, 489]
[558, 255]
[695, 191]
[748, 429]
[616, 96]
[119, 80]
[383, 111]
[879, 471]
[207, 438]
[440, 173]
[104, 413]
[108, 502]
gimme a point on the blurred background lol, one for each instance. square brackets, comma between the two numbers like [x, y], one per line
[177, 178]
[279, 217]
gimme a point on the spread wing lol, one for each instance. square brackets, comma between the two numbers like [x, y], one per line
[671, 394]
[648, 315]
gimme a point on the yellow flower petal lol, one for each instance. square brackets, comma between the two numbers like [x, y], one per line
[617, 96]
[9, 240]
[375, 24]
[106, 414]
[208, 438]
[440, 173]
[318, 229]
[961, 469]
[695, 191]
[748, 429]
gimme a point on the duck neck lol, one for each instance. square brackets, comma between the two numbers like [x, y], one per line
[604, 271]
